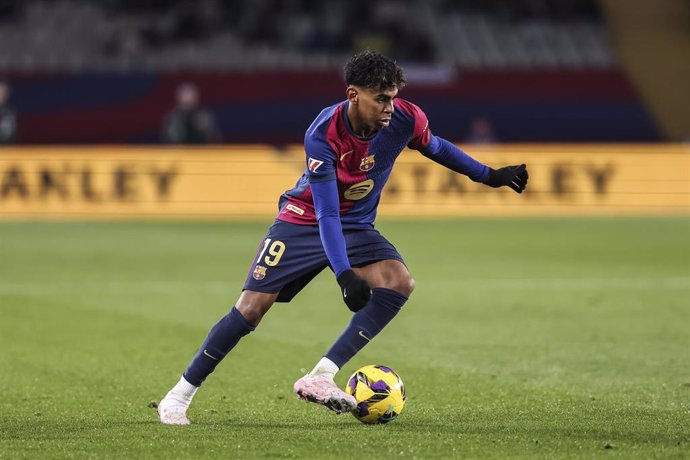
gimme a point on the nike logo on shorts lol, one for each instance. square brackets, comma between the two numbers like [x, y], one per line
[361, 334]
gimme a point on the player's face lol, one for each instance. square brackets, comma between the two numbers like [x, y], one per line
[375, 106]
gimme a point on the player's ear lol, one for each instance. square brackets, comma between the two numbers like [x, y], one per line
[352, 94]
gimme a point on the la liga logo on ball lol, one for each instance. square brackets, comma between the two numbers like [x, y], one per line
[379, 392]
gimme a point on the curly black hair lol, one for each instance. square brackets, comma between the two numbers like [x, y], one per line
[370, 69]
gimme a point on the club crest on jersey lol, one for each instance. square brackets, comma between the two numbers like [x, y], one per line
[314, 164]
[367, 163]
[259, 272]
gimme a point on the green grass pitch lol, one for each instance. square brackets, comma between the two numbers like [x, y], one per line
[546, 338]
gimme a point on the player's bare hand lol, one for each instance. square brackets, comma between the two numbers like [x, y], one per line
[356, 292]
[514, 177]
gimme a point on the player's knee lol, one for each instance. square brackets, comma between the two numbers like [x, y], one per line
[404, 285]
[251, 313]
[409, 286]
[253, 306]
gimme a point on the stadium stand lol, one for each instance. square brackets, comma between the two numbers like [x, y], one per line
[128, 35]
[94, 72]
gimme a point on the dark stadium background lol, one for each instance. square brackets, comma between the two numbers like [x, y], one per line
[551, 324]
[85, 72]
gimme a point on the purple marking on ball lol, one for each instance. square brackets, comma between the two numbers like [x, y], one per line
[379, 386]
[352, 383]
[362, 409]
[385, 369]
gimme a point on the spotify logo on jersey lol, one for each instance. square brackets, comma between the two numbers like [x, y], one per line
[359, 190]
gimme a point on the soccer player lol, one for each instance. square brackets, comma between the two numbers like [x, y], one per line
[327, 220]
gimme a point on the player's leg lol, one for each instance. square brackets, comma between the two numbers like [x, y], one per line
[391, 285]
[226, 333]
[288, 258]
[223, 336]
[379, 263]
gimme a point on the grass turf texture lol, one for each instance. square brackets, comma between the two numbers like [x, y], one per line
[524, 338]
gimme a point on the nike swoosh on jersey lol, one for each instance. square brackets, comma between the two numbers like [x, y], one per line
[343, 155]
[212, 357]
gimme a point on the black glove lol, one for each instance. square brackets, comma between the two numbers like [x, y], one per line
[514, 177]
[356, 291]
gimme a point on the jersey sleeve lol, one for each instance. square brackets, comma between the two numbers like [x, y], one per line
[440, 150]
[326, 204]
[421, 135]
[447, 154]
[322, 180]
[320, 158]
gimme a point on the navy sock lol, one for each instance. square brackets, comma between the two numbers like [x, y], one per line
[365, 324]
[221, 339]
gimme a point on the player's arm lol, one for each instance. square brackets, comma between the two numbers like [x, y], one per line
[449, 155]
[356, 292]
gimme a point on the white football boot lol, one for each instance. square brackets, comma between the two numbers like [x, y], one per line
[172, 410]
[322, 390]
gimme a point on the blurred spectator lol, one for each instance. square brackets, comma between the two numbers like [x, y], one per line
[188, 123]
[8, 119]
[481, 132]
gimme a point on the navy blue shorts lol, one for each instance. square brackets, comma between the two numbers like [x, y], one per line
[291, 255]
